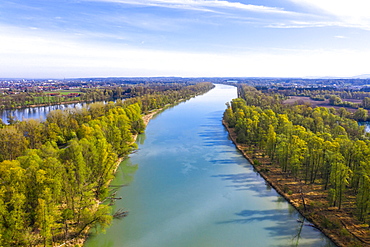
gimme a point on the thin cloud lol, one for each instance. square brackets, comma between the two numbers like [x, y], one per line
[63, 57]
[235, 11]
[345, 13]
[303, 24]
[225, 39]
[203, 5]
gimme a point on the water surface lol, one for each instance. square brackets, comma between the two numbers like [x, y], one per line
[38, 113]
[193, 188]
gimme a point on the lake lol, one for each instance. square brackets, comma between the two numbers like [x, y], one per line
[38, 113]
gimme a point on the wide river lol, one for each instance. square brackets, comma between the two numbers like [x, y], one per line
[192, 188]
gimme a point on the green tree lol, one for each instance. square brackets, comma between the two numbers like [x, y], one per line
[47, 216]
[335, 100]
[12, 143]
[271, 142]
[33, 130]
[360, 114]
[297, 154]
[339, 179]
[343, 112]
[363, 198]
[14, 217]
[366, 103]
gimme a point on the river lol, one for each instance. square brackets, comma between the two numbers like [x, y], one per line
[192, 188]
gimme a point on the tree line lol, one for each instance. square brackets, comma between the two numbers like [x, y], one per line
[337, 97]
[13, 98]
[323, 93]
[314, 145]
[55, 174]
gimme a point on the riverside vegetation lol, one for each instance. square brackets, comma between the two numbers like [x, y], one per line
[30, 97]
[54, 175]
[315, 157]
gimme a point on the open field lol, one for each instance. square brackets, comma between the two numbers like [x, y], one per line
[66, 92]
[306, 100]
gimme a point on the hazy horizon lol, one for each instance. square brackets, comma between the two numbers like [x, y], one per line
[183, 38]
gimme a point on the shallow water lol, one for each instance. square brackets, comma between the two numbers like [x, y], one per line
[192, 188]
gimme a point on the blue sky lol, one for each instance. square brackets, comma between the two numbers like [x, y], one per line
[189, 38]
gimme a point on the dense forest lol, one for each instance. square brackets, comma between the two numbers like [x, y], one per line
[54, 175]
[317, 146]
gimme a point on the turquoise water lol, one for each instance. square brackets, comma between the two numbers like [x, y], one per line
[192, 188]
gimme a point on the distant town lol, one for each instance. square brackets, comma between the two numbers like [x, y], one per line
[21, 93]
[38, 85]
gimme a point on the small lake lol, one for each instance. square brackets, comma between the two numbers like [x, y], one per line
[38, 113]
[192, 188]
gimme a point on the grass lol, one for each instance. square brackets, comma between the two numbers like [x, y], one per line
[65, 92]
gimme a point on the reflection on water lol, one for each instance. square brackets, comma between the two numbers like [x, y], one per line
[367, 126]
[39, 113]
[193, 188]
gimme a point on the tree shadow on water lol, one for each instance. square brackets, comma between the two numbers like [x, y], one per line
[300, 233]
[248, 182]
[283, 226]
[222, 161]
[248, 216]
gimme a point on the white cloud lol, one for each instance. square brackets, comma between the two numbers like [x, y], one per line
[354, 13]
[38, 54]
[303, 24]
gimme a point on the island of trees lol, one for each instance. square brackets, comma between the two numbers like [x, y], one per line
[55, 175]
[316, 157]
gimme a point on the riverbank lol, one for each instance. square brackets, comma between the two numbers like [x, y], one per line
[310, 200]
[82, 238]
[46, 104]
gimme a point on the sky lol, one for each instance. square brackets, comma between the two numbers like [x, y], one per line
[186, 38]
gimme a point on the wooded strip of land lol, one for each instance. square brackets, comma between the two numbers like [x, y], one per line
[314, 157]
[55, 174]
